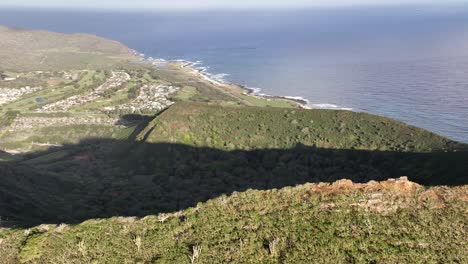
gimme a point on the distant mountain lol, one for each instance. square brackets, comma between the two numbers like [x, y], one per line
[31, 50]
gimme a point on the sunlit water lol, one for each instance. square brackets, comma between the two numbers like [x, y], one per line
[407, 63]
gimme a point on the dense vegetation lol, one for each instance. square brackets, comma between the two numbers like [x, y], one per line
[379, 223]
[252, 127]
[183, 157]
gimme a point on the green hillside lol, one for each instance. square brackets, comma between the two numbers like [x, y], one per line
[194, 152]
[253, 127]
[30, 50]
[388, 222]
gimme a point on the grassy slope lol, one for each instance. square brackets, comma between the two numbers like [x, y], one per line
[331, 139]
[194, 152]
[29, 50]
[253, 127]
[309, 223]
[389, 222]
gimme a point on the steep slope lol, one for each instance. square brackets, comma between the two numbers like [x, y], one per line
[220, 127]
[389, 222]
[194, 152]
[325, 145]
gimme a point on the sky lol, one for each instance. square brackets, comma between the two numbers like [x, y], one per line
[208, 4]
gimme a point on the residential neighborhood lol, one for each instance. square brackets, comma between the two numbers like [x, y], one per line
[151, 98]
[117, 79]
[11, 94]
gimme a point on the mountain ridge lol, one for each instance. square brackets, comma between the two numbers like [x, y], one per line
[293, 224]
[35, 50]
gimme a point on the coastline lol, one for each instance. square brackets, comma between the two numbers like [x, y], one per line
[202, 72]
[255, 92]
[248, 91]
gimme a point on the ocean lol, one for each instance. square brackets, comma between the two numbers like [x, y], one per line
[409, 63]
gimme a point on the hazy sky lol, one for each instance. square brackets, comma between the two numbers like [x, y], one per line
[190, 4]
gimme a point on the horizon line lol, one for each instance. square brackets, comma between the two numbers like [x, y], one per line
[238, 8]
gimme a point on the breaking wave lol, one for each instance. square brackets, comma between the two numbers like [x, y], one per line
[330, 106]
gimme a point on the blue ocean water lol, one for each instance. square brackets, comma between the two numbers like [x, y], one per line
[408, 63]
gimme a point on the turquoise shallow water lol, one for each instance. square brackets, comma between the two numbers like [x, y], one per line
[406, 63]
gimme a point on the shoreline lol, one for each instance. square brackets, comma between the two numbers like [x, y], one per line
[249, 91]
[203, 73]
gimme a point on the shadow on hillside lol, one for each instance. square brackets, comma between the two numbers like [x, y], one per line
[101, 178]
